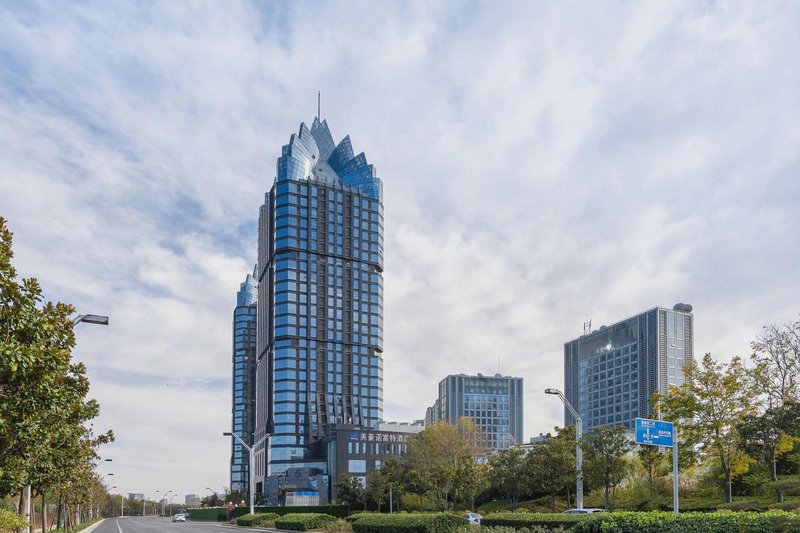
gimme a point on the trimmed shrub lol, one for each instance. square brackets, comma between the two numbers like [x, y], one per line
[220, 513]
[358, 514]
[533, 529]
[720, 522]
[410, 523]
[257, 519]
[340, 526]
[10, 521]
[530, 520]
[303, 521]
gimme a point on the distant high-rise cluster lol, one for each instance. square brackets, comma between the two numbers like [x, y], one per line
[308, 342]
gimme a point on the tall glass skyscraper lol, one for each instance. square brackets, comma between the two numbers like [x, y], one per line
[493, 402]
[320, 301]
[244, 377]
[611, 373]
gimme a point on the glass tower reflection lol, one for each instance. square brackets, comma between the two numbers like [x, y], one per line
[320, 301]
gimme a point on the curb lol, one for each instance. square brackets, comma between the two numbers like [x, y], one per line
[94, 526]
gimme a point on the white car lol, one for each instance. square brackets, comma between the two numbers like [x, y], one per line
[585, 510]
[179, 517]
[474, 518]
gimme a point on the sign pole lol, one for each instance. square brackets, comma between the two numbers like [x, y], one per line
[675, 471]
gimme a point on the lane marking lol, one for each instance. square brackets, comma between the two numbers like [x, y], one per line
[118, 526]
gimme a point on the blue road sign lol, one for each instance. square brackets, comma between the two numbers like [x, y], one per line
[654, 432]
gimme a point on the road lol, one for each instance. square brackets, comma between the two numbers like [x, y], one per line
[154, 524]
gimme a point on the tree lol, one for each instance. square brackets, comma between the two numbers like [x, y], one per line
[709, 408]
[652, 460]
[607, 466]
[377, 490]
[397, 476]
[350, 491]
[43, 404]
[552, 463]
[471, 479]
[768, 436]
[508, 474]
[776, 354]
[439, 451]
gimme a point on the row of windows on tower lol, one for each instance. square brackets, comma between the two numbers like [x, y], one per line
[312, 189]
[293, 216]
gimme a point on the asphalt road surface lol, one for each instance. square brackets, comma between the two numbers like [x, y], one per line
[156, 524]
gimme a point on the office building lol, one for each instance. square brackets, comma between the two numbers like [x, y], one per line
[493, 402]
[610, 374]
[191, 500]
[244, 376]
[320, 311]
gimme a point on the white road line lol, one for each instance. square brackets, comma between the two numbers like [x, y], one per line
[118, 526]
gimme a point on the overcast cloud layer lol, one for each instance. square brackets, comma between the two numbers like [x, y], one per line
[542, 162]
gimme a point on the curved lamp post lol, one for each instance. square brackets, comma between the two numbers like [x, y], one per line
[578, 450]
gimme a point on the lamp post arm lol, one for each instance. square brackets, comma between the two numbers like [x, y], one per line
[241, 441]
[572, 410]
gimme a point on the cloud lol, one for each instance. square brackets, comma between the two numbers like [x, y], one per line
[541, 163]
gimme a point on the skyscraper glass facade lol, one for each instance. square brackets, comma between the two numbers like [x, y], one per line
[493, 402]
[320, 319]
[610, 374]
[244, 376]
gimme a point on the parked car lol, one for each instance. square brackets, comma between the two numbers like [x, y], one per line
[474, 518]
[585, 510]
[179, 517]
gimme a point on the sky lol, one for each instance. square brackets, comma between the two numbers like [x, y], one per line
[543, 162]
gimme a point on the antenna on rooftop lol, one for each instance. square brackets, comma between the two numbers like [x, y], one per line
[319, 99]
[587, 325]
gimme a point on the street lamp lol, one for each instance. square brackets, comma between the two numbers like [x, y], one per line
[101, 320]
[251, 462]
[578, 450]
[214, 502]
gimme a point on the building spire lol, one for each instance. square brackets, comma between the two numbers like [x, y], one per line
[319, 98]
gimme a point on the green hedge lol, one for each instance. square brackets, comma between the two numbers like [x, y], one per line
[527, 520]
[10, 521]
[410, 523]
[220, 513]
[255, 519]
[720, 522]
[303, 521]
[358, 514]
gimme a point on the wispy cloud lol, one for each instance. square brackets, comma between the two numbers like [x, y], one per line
[541, 163]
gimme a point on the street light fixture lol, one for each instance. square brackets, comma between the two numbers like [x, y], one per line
[251, 462]
[578, 450]
[101, 320]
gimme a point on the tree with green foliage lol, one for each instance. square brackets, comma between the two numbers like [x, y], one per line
[509, 475]
[396, 474]
[769, 436]
[776, 354]
[709, 409]
[377, 491]
[606, 465]
[652, 461]
[43, 404]
[552, 463]
[472, 480]
[350, 491]
[440, 451]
